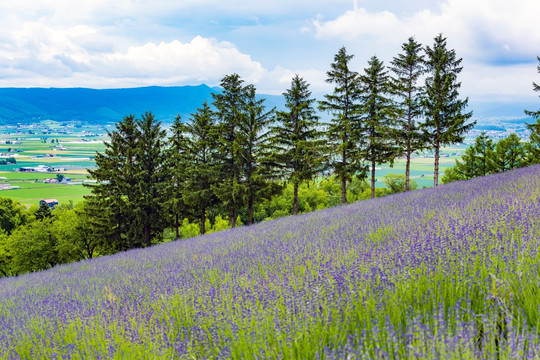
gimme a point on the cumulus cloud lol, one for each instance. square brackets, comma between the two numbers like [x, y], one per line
[58, 55]
[499, 30]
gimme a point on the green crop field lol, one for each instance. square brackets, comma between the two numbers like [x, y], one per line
[53, 144]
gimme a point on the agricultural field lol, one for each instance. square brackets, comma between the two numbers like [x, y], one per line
[441, 273]
[68, 148]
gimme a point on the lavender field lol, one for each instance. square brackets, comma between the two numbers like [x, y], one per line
[442, 273]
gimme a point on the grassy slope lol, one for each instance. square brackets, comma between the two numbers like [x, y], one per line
[449, 272]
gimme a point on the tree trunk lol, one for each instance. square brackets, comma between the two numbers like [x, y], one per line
[233, 218]
[203, 221]
[343, 190]
[373, 179]
[436, 172]
[344, 180]
[148, 235]
[250, 210]
[407, 170]
[177, 227]
[295, 200]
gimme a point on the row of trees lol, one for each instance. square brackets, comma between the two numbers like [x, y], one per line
[236, 159]
[488, 157]
[235, 153]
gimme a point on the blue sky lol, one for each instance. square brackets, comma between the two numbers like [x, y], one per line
[127, 43]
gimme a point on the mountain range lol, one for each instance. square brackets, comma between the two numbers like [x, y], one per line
[24, 105]
[27, 105]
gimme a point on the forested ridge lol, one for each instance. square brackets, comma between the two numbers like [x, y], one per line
[235, 161]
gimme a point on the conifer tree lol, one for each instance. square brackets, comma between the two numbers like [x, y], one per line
[151, 177]
[408, 67]
[201, 147]
[177, 165]
[533, 146]
[131, 182]
[378, 117]
[446, 119]
[297, 140]
[114, 191]
[478, 160]
[344, 133]
[230, 107]
[536, 87]
[254, 139]
[509, 154]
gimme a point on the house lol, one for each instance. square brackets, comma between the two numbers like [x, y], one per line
[50, 202]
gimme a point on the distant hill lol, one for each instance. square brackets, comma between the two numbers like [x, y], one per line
[107, 105]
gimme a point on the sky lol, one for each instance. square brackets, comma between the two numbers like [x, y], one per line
[131, 43]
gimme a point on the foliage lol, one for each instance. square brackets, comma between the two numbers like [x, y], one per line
[536, 87]
[408, 67]
[34, 247]
[43, 212]
[533, 146]
[12, 215]
[446, 119]
[132, 179]
[509, 154]
[396, 183]
[230, 106]
[201, 160]
[378, 116]
[177, 164]
[255, 139]
[485, 157]
[345, 132]
[298, 148]
[478, 160]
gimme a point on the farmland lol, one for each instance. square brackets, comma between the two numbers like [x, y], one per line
[447, 272]
[68, 148]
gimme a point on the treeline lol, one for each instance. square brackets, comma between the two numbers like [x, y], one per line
[234, 153]
[487, 157]
[234, 161]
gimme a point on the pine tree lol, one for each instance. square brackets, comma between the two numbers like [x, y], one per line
[536, 87]
[408, 67]
[509, 154]
[115, 190]
[177, 165]
[478, 160]
[151, 176]
[230, 107]
[201, 146]
[254, 138]
[378, 117]
[344, 133]
[533, 146]
[297, 140]
[446, 121]
[131, 175]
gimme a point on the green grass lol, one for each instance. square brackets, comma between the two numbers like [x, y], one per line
[32, 194]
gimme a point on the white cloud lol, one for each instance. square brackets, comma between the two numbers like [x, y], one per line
[63, 56]
[481, 28]
[495, 83]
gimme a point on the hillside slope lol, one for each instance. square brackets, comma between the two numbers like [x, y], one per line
[447, 272]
